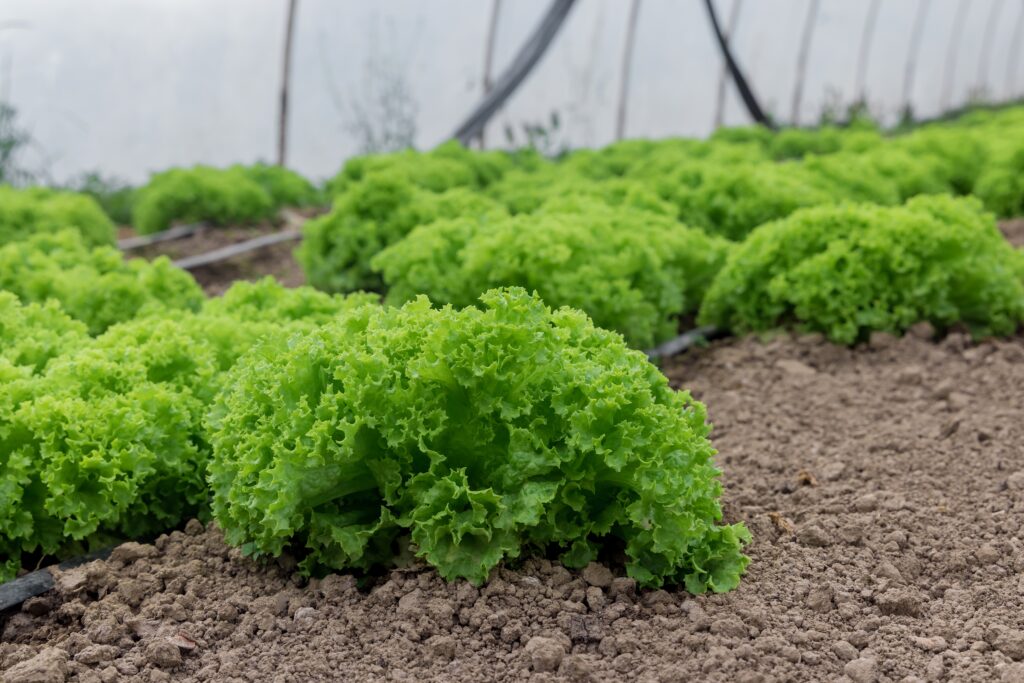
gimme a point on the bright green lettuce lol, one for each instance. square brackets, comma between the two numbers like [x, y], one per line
[852, 269]
[373, 214]
[631, 271]
[97, 286]
[201, 193]
[37, 210]
[478, 435]
[103, 437]
[33, 334]
[285, 187]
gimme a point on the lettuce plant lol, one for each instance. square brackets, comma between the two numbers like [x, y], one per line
[631, 271]
[97, 286]
[377, 212]
[285, 187]
[103, 437]
[477, 435]
[269, 301]
[848, 270]
[33, 334]
[37, 210]
[212, 195]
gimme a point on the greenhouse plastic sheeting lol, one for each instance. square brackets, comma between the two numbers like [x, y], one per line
[129, 87]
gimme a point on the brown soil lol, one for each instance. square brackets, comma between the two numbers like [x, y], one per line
[1014, 231]
[884, 487]
[276, 260]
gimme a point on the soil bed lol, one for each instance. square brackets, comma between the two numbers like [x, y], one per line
[1014, 231]
[884, 487]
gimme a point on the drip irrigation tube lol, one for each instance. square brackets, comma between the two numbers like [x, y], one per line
[175, 233]
[17, 591]
[230, 251]
[675, 346]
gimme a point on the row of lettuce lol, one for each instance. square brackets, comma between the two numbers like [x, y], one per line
[347, 432]
[237, 195]
[839, 231]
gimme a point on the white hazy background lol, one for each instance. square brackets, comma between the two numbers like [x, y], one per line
[128, 87]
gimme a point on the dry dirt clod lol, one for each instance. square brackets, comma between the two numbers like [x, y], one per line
[598, 575]
[862, 670]
[814, 536]
[163, 653]
[126, 553]
[1011, 643]
[545, 653]
[49, 666]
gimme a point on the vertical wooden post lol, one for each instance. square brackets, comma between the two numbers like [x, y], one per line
[986, 45]
[910, 70]
[723, 78]
[286, 72]
[1014, 58]
[866, 40]
[952, 52]
[627, 63]
[492, 33]
[801, 62]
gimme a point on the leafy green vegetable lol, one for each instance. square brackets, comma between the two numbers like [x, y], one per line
[37, 210]
[478, 434]
[115, 197]
[104, 437]
[217, 196]
[285, 187]
[33, 334]
[269, 301]
[631, 271]
[378, 211]
[851, 269]
[96, 286]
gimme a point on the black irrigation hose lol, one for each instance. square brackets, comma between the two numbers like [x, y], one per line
[17, 591]
[530, 53]
[746, 93]
[684, 341]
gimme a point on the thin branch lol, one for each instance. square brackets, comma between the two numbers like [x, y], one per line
[627, 63]
[723, 77]
[530, 53]
[286, 73]
[801, 61]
